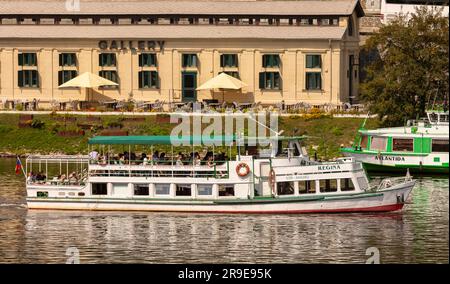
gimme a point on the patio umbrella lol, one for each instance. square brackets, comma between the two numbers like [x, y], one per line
[88, 80]
[224, 82]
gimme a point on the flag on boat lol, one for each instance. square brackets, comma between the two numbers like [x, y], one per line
[18, 165]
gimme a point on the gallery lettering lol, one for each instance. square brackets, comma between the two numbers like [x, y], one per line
[329, 167]
[131, 45]
[390, 158]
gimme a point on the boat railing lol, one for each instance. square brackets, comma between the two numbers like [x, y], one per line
[139, 168]
[56, 170]
[390, 182]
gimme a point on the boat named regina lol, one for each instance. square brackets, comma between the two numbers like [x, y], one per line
[279, 178]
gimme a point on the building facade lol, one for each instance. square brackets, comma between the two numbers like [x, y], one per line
[291, 51]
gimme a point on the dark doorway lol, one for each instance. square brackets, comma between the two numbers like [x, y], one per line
[189, 84]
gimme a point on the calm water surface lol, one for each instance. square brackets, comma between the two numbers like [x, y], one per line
[418, 234]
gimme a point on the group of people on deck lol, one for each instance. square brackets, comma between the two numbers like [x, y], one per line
[36, 178]
[40, 178]
[194, 158]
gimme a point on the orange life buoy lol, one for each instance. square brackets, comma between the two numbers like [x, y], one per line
[242, 169]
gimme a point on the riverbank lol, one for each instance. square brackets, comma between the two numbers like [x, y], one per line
[52, 133]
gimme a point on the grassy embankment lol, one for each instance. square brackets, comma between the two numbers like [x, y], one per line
[325, 134]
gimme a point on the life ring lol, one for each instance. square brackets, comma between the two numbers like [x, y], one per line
[242, 169]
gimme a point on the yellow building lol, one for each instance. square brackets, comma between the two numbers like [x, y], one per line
[291, 51]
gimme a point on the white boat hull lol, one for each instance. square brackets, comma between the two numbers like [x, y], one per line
[391, 199]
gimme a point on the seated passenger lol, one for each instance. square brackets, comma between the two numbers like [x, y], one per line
[93, 155]
[144, 161]
[210, 162]
[73, 178]
[197, 160]
[30, 178]
[155, 157]
[179, 161]
[162, 158]
[62, 178]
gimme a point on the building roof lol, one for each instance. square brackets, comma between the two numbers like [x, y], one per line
[154, 32]
[171, 7]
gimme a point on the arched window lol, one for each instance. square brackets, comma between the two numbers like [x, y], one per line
[350, 26]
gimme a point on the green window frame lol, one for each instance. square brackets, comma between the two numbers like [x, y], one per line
[313, 81]
[313, 61]
[107, 59]
[67, 59]
[270, 81]
[109, 75]
[148, 80]
[402, 144]
[234, 74]
[27, 59]
[228, 60]
[271, 60]
[66, 75]
[147, 60]
[28, 78]
[189, 60]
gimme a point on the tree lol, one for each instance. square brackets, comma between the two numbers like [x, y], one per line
[410, 71]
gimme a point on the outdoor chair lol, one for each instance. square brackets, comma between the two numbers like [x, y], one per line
[159, 106]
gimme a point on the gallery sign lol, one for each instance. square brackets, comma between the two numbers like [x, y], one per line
[131, 45]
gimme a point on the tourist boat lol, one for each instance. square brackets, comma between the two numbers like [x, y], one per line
[420, 146]
[276, 178]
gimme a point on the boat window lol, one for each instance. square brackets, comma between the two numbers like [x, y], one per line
[347, 184]
[61, 193]
[141, 189]
[204, 189]
[99, 189]
[42, 194]
[328, 185]
[81, 194]
[363, 185]
[378, 144]
[402, 144]
[439, 145]
[183, 190]
[364, 140]
[307, 186]
[226, 189]
[162, 189]
[285, 188]
[433, 117]
[71, 193]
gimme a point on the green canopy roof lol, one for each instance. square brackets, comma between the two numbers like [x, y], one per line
[182, 140]
[162, 140]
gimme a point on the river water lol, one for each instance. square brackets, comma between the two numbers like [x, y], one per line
[418, 234]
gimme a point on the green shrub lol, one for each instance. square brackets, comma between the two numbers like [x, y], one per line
[37, 123]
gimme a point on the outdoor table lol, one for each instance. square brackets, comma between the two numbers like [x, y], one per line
[214, 105]
[83, 104]
[62, 105]
[111, 104]
[149, 105]
[244, 105]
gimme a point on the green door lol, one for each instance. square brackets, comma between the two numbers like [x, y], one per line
[189, 86]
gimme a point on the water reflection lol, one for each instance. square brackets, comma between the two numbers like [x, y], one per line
[418, 234]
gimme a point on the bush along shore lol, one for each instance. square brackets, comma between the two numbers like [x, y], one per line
[68, 134]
